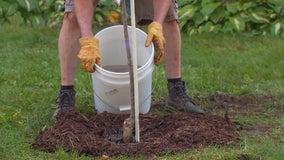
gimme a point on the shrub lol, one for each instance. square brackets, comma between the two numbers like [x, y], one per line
[31, 12]
[257, 17]
[46, 12]
[195, 16]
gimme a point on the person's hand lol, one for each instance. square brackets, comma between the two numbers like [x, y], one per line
[155, 35]
[89, 54]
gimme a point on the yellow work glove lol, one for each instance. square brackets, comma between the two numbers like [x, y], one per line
[155, 35]
[89, 54]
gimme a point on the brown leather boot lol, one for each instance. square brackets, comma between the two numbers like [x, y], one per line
[179, 100]
[65, 100]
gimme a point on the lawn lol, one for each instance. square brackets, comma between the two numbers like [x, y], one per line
[234, 64]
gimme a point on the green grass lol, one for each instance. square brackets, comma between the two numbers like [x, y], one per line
[235, 64]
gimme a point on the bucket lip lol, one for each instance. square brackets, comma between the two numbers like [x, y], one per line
[150, 60]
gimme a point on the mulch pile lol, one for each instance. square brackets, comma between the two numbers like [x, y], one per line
[101, 134]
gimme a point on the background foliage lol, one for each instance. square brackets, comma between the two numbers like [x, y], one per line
[31, 12]
[47, 12]
[257, 17]
[196, 16]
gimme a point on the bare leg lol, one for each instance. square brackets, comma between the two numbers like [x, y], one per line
[77, 23]
[178, 98]
[68, 48]
[172, 49]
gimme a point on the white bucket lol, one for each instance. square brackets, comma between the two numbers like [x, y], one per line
[112, 88]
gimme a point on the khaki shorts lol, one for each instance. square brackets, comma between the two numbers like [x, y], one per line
[144, 10]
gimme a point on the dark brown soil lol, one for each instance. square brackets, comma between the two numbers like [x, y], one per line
[101, 134]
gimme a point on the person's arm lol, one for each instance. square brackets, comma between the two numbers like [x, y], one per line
[161, 8]
[84, 11]
[155, 29]
[89, 54]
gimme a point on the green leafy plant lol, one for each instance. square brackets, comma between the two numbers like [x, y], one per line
[31, 12]
[45, 12]
[257, 17]
[103, 11]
